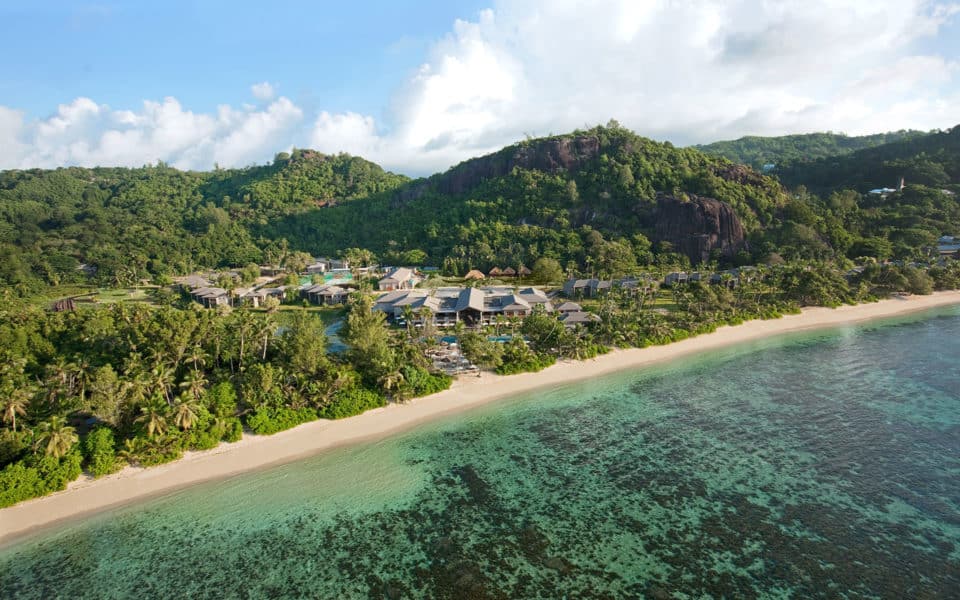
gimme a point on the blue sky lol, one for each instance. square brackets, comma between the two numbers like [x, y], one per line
[341, 55]
[419, 86]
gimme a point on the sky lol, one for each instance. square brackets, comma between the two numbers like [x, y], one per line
[420, 86]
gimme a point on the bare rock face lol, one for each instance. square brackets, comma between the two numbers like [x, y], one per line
[739, 174]
[551, 155]
[698, 226]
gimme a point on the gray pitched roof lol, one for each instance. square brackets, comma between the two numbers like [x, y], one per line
[578, 318]
[514, 302]
[401, 274]
[470, 298]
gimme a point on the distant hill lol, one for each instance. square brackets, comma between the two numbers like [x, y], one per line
[568, 196]
[932, 160]
[757, 151]
[601, 200]
[136, 223]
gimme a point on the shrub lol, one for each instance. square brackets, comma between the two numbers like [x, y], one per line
[271, 419]
[100, 452]
[352, 401]
[518, 358]
[234, 430]
[423, 383]
[37, 476]
[221, 400]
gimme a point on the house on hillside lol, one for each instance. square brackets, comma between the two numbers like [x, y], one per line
[474, 274]
[576, 288]
[399, 278]
[319, 266]
[569, 307]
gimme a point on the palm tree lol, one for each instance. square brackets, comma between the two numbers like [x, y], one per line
[194, 383]
[130, 451]
[60, 381]
[408, 319]
[391, 381]
[426, 317]
[184, 413]
[197, 357]
[15, 404]
[55, 437]
[154, 415]
[161, 378]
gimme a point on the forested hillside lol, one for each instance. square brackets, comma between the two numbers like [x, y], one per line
[931, 160]
[597, 200]
[140, 223]
[586, 198]
[757, 151]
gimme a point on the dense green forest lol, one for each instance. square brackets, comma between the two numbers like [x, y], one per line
[134, 224]
[481, 214]
[757, 151]
[587, 199]
[931, 160]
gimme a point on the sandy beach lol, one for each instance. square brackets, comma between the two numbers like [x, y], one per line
[86, 495]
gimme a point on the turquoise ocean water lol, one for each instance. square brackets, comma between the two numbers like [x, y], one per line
[823, 465]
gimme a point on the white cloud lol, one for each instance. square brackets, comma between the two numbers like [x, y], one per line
[85, 133]
[263, 91]
[685, 71]
[688, 72]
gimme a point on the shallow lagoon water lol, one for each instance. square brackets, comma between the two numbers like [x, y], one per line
[815, 465]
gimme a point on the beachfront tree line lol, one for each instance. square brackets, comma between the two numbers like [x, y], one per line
[135, 384]
[141, 384]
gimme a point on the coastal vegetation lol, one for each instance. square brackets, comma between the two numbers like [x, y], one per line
[144, 374]
[138, 384]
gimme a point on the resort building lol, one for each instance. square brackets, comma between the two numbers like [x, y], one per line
[591, 288]
[578, 319]
[445, 307]
[211, 297]
[325, 294]
[399, 278]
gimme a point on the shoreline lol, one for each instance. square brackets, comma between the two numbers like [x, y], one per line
[86, 496]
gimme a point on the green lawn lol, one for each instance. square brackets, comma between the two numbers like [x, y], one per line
[86, 296]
